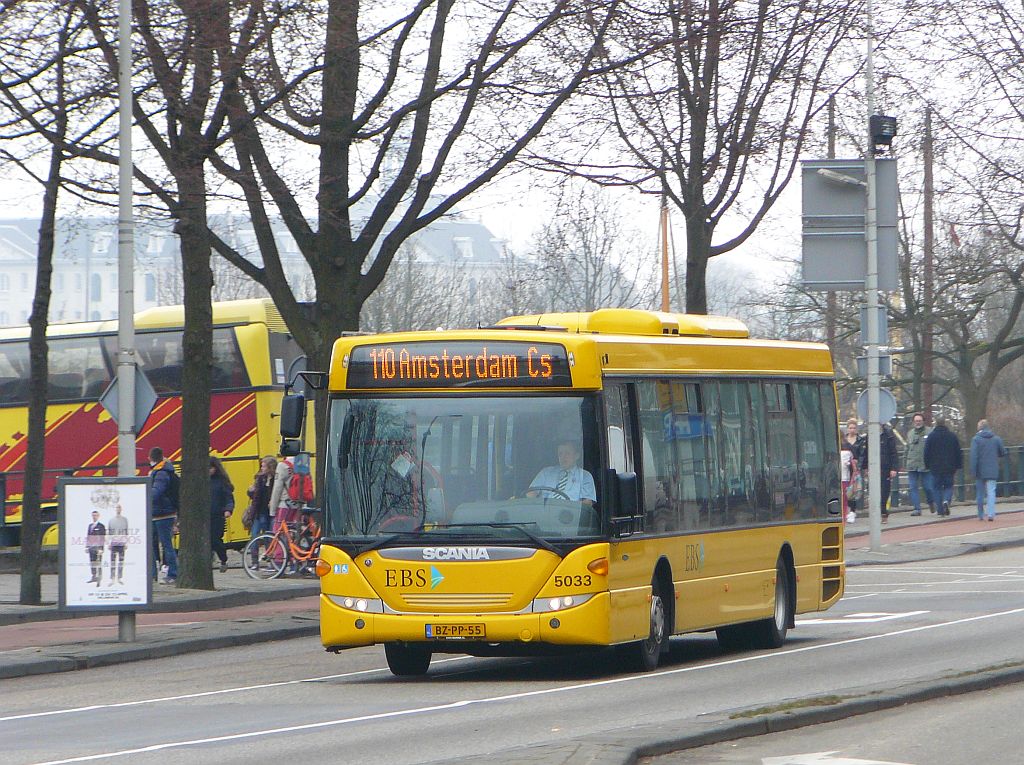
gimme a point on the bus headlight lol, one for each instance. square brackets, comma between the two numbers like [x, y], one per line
[362, 605]
[560, 603]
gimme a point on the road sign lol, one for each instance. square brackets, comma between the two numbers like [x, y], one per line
[834, 219]
[886, 405]
[145, 399]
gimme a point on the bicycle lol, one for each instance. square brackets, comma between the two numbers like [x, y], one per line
[295, 544]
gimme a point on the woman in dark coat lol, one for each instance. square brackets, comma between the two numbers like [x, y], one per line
[222, 503]
[943, 457]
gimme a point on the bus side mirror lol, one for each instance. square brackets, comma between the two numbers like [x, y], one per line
[627, 490]
[293, 410]
[290, 447]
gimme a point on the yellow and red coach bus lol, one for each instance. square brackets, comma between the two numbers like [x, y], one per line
[252, 353]
[701, 487]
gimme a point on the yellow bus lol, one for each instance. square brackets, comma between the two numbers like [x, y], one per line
[252, 354]
[576, 480]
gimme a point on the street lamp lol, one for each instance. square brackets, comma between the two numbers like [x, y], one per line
[882, 130]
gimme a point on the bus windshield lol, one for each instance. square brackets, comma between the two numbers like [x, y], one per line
[460, 467]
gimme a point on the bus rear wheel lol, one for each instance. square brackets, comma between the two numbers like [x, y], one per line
[405, 660]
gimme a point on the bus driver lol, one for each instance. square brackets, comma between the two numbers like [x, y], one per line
[566, 480]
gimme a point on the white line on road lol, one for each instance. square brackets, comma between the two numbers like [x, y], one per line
[862, 618]
[523, 695]
[201, 694]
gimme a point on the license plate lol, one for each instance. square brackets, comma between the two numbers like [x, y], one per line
[455, 631]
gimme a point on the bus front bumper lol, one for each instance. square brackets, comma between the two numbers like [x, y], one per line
[586, 624]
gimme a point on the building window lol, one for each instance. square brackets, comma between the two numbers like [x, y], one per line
[150, 288]
[101, 242]
[155, 245]
[78, 284]
[24, 280]
[113, 281]
[59, 282]
[95, 316]
[5, 284]
[24, 317]
[96, 287]
[5, 319]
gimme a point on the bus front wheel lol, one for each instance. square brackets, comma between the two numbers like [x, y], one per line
[771, 632]
[645, 655]
[405, 660]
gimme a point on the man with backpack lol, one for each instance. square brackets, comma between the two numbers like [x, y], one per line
[165, 485]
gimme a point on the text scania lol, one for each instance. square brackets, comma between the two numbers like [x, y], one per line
[455, 553]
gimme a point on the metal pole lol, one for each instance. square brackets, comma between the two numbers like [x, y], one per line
[871, 297]
[664, 254]
[125, 277]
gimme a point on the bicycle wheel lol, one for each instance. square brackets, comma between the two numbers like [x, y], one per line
[265, 557]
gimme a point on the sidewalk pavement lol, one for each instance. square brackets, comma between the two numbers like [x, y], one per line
[242, 611]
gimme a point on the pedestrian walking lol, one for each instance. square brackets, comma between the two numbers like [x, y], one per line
[165, 510]
[222, 503]
[850, 471]
[942, 457]
[918, 477]
[889, 464]
[986, 450]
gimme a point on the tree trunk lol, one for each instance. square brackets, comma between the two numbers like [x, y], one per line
[698, 252]
[31, 591]
[194, 569]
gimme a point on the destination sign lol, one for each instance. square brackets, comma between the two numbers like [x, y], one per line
[459, 364]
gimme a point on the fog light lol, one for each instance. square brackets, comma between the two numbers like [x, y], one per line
[360, 624]
[555, 624]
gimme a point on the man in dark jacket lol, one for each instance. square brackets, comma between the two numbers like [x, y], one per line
[986, 450]
[890, 464]
[942, 458]
[164, 510]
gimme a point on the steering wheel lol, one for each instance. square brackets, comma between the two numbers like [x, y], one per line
[561, 494]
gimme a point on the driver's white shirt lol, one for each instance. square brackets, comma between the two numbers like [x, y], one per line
[579, 484]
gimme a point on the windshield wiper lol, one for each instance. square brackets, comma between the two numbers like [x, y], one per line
[379, 542]
[539, 541]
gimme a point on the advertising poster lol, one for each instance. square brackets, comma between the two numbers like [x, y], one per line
[105, 548]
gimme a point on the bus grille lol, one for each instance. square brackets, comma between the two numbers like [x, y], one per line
[457, 600]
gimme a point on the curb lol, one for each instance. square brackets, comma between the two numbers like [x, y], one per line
[968, 548]
[72, 658]
[212, 601]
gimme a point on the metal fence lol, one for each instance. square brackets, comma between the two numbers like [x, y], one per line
[1010, 483]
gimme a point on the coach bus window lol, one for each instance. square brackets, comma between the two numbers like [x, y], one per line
[14, 371]
[76, 366]
[457, 465]
[811, 443]
[782, 464]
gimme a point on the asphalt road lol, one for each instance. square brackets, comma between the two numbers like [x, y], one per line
[289, 701]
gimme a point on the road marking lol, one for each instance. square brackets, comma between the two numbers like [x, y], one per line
[862, 618]
[822, 758]
[202, 694]
[526, 694]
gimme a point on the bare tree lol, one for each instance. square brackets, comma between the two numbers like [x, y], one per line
[713, 112]
[589, 258]
[405, 109]
[36, 94]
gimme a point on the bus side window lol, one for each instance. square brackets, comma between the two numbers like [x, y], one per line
[811, 442]
[616, 408]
